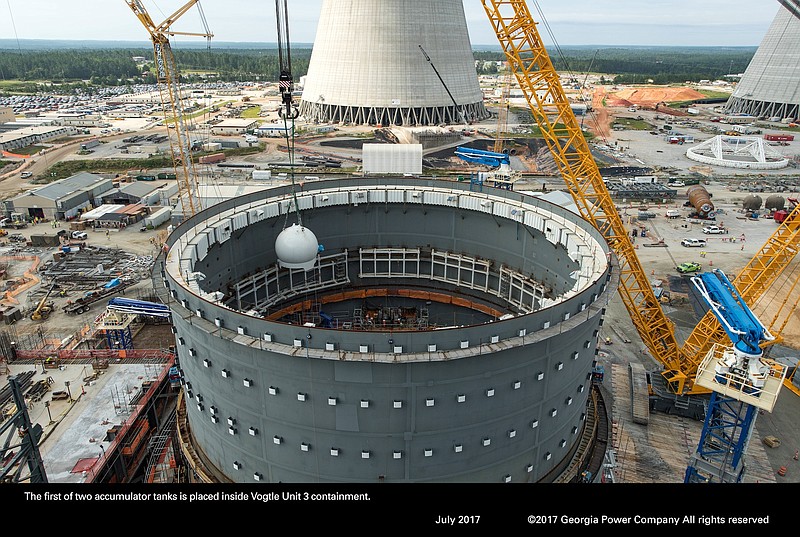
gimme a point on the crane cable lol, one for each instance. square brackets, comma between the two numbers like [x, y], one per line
[563, 58]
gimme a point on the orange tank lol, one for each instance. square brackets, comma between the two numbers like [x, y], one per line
[700, 200]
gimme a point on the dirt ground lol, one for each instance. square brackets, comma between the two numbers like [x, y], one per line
[650, 96]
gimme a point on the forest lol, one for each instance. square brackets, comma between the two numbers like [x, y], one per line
[88, 68]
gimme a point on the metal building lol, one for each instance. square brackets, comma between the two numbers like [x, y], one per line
[770, 87]
[367, 66]
[447, 333]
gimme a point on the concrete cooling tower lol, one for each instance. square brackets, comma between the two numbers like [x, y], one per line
[770, 87]
[443, 335]
[367, 67]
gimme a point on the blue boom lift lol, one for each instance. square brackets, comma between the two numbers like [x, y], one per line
[742, 381]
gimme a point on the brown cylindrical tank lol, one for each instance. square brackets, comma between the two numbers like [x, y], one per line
[700, 200]
[752, 202]
[775, 203]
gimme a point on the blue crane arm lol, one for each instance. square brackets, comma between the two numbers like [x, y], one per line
[138, 307]
[478, 156]
[740, 323]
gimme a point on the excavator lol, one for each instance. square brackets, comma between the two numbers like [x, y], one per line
[674, 387]
[44, 308]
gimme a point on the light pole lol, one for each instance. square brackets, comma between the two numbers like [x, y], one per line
[49, 416]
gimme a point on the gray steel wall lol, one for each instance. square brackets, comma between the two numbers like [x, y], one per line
[532, 371]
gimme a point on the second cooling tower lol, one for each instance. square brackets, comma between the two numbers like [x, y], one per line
[369, 65]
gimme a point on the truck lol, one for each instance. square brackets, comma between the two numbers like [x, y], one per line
[85, 302]
[262, 175]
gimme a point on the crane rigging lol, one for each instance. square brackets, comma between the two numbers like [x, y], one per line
[168, 79]
[540, 84]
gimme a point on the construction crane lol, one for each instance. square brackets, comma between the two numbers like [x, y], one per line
[168, 79]
[539, 81]
[44, 308]
[742, 381]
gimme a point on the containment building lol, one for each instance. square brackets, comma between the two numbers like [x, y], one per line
[770, 87]
[445, 333]
[369, 65]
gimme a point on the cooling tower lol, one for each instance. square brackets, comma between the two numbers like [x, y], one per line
[770, 87]
[367, 67]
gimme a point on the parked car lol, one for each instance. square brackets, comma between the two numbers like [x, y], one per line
[688, 267]
[80, 235]
[713, 230]
[17, 237]
[693, 243]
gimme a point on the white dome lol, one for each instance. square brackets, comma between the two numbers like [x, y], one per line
[297, 247]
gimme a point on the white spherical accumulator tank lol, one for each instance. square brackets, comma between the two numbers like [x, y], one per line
[297, 247]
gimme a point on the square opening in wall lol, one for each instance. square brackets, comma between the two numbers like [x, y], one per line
[304, 447]
[330, 346]
[365, 454]
[363, 349]
[432, 348]
[429, 402]
[460, 398]
[490, 392]
[272, 390]
[237, 465]
[247, 383]
[364, 403]
[486, 441]
[464, 344]
[301, 396]
[458, 448]
[516, 385]
[397, 454]
[534, 424]
[494, 339]
[332, 401]
[397, 404]
[429, 453]
[268, 337]
[298, 343]
[277, 439]
[253, 431]
[334, 452]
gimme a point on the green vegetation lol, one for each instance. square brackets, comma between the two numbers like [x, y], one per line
[711, 94]
[254, 112]
[4, 163]
[638, 65]
[68, 168]
[633, 124]
[115, 67]
[30, 150]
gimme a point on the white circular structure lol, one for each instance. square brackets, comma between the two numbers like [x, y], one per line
[367, 66]
[297, 247]
[743, 152]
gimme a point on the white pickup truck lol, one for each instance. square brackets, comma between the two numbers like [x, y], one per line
[714, 230]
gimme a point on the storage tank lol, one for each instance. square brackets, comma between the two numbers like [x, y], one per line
[775, 203]
[700, 200]
[752, 202]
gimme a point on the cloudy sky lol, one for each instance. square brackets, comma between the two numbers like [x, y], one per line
[575, 22]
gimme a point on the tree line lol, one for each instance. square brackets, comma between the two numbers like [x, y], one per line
[656, 65]
[109, 67]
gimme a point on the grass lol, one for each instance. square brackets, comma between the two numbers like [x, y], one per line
[254, 112]
[633, 124]
[30, 150]
[711, 94]
[199, 113]
[71, 167]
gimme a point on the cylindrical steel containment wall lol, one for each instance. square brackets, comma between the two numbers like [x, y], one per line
[502, 399]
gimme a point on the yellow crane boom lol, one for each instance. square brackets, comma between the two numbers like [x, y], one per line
[168, 79]
[528, 59]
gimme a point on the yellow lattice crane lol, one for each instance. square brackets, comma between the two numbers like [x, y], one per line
[528, 60]
[168, 78]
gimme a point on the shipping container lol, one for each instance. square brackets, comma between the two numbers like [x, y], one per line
[212, 159]
[779, 137]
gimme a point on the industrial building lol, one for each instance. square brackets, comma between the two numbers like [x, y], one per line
[235, 126]
[444, 334]
[61, 200]
[377, 72]
[769, 87]
[25, 135]
[144, 192]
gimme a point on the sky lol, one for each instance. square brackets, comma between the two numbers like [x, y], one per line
[575, 22]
